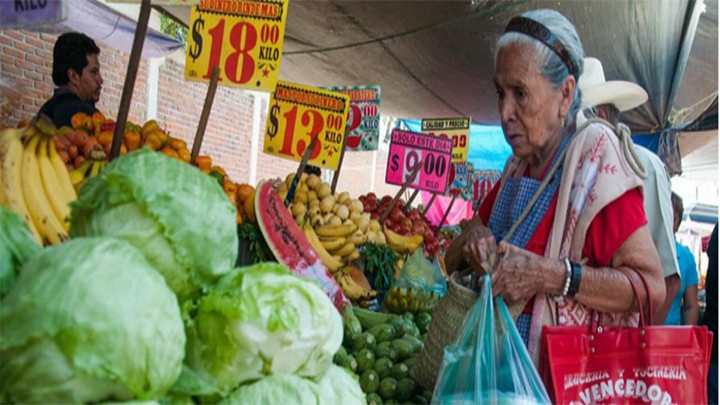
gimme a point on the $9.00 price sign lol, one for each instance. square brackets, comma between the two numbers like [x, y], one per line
[407, 149]
[458, 129]
[297, 114]
[242, 37]
[363, 126]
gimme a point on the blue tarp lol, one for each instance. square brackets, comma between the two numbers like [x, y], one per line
[488, 149]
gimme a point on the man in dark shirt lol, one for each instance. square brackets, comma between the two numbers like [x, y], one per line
[76, 72]
[711, 315]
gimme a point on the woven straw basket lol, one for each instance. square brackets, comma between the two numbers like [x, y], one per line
[446, 322]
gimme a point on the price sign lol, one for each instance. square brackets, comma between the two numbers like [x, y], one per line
[482, 182]
[407, 149]
[363, 123]
[460, 177]
[160, 2]
[32, 13]
[299, 113]
[243, 37]
[458, 129]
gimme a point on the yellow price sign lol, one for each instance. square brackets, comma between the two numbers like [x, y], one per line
[299, 113]
[458, 129]
[244, 38]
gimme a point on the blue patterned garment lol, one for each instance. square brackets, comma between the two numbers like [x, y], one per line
[514, 196]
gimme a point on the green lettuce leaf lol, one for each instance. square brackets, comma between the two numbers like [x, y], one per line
[177, 216]
[339, 387]
[17, 245]
[89, 320]
[263, 320]
[276, 389]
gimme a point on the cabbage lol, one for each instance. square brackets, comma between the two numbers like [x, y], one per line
[89, 320]
[277, 389]
[262, 320]
[339, 387]
[17, 245]
[177, 216]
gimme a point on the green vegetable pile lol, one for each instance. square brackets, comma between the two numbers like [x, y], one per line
[381, 349]
[380, 263]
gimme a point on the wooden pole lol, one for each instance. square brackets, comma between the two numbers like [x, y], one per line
[429, 204]
[300, 170]
[205, 115]
[400, 192]
[412, 198]
[130, 77]
[336, 175]
[445, 215]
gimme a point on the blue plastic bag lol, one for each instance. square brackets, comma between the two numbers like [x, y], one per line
[422, 274]
[488, 363]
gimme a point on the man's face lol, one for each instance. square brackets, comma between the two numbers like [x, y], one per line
[88, 84]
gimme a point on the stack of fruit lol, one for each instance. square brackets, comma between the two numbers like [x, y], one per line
[334, 223]
[381, 349]
[412, 300]
[410, 224]
[35, 181]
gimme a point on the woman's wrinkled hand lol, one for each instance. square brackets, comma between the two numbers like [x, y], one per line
[518, 274]
[479, 249]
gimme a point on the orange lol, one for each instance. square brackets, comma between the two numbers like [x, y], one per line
[249, 206]
[105, 138]
[229, 187]
[153, 141]
[243, 191]
[170, 152]
[78, 119]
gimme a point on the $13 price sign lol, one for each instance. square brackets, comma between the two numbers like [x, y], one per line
[299, 113]
[407, 149]
[244, 38]
[363, 124]
[457, 129]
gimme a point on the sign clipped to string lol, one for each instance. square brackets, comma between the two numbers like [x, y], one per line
[297, 114]
[363, 123]
[408, 149]
[244, 38]
[457, 129]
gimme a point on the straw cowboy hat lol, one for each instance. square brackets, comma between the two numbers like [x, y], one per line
[596, 91]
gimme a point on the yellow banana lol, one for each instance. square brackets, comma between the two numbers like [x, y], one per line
[11, 155]
[77, 176]
[61, 172]
[97, 165]
[344, 250]
[333, 243]
[402, 244]
[330, 231]
[350, 288]
[332, 264]
[358, 238]
[353, 256]
[50, 229]
[51, 185]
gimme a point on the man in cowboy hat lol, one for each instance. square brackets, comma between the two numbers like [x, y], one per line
[606, 100]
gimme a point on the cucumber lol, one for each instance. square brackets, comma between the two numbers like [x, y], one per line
[422, 320]
[383, 366]
[417, 400]
[368, 318]
[364, 341]
[351, 324]
[391, 402]
[409, 328]
[386, 350]
[406, 388]
[349, 363]
[369, 381]
[374, 399]
[399, 324]
[404, 348]
[400, 371]
[410, 362]
[387, 388]
[365, 360]
[416, 343]
[410, 316]
[383, 332]
[340, 354]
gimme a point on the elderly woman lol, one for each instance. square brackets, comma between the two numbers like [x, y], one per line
[567, 215]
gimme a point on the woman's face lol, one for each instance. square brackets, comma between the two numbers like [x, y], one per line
[531, 111]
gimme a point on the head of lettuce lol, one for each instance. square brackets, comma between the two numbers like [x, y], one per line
[259, 321]
[176, 215]
[89, 321]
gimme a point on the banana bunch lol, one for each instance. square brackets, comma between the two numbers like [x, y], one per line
[401, 300]
[35, 181]
[333, 263]
[351, 288]
[341, 240]
[402, 244]
[87, 170]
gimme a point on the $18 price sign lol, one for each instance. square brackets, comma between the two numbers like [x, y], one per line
[407, 149]
[244, 38]
[299, 113]
[457, 129]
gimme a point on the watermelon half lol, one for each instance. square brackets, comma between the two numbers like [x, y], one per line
[289, 244]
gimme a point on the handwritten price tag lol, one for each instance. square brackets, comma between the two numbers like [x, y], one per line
[482, 182]
[459, 179]
[407, 149]
[297, 114]
[243, 37]
[363, 124]
[457, 129]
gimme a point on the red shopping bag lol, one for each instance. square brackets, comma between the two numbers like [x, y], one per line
[626, 365]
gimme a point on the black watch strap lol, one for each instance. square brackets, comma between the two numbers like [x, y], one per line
[575, 278]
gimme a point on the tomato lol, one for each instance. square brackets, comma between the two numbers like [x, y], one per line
[396, 215]
[428, 236]
[371, 197]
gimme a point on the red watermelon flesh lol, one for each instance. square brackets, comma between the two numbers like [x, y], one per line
[289, 244]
